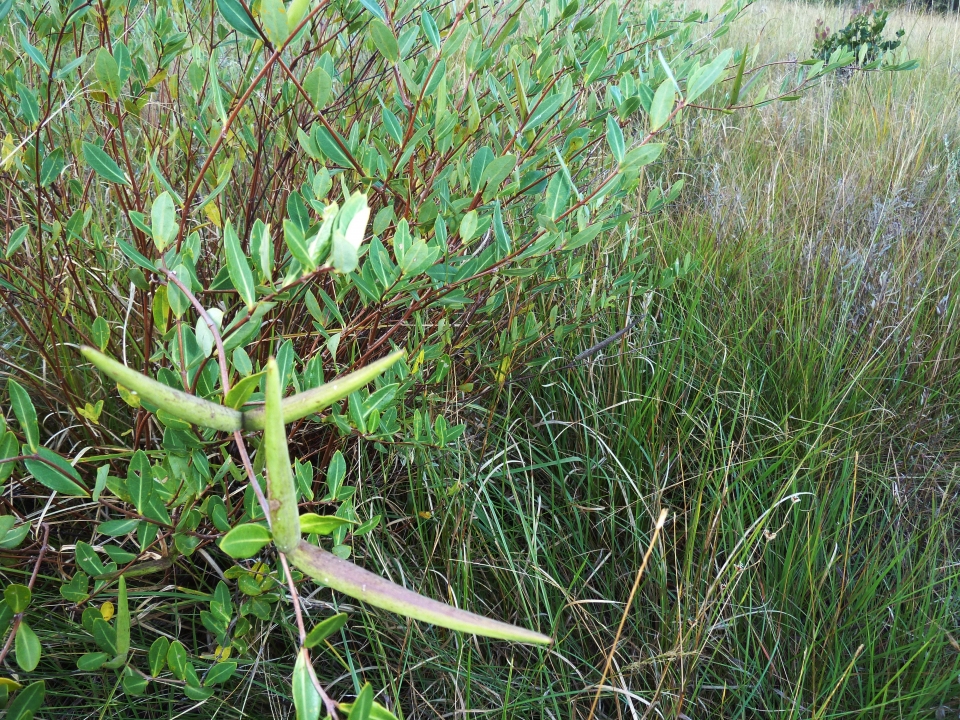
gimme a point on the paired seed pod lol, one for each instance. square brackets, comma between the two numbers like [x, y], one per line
[340, 575]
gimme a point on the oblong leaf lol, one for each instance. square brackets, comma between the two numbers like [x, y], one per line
[123, 619]
[364, 585]
[17, 597]
[238, 18]
[104, 165]
[237, 266]
[312, 401]
[245, 540]
[325, 629]
[27, 648]
[314, 524]
[306, 699]
[176, 402]
[91, 661]
[281, 489]
[25, 412]
[54, 478]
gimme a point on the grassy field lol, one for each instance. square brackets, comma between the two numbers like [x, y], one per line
[793, 404]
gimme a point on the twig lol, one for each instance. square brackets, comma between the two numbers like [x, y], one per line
[626, 610]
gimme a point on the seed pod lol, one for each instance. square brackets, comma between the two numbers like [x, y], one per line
[364, 585]
[184, 406]
[281, 491]
[312, 401]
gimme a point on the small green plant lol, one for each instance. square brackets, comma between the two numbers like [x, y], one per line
[862, 36]
[282, 524]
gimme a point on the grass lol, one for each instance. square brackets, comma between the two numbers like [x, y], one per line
[793, 403]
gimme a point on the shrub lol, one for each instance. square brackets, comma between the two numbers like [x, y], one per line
[227, 196]
[863, 36]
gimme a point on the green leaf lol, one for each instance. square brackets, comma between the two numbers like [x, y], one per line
[177, 659]
[54, 478]
[34, 54]
[91, 661]
[314, 524]
[25, 412]
[495, 173]
[163, 221]
[133, 683]
[27, 702]
[329, 146]
[9, 448]
[704, 78]
[16, 239]
[221, 672]
[157, 655]
[242, 391]
[245, 541]
[662, 104]
[104, 165]
[615, 138]
[100, 333]
[318, 84]
[123, 619]
[27, 648]
[133, 254]
[558, 194]
[273, 16]
[468, 225]
[17, 597]
[377, 711]
[325, 629]
[363, 704]
[14, 537]
[238, 268]
[430, 29]
[295, 12]
[546, 109]
[384, 40]
[108, 73]
[374, 9]
[197, 694]
[643, 155]
[348, 233]
[238, 18]
[116, 528]
[306, 699]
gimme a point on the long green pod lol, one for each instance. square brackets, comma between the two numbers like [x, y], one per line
[281, 493]
[364, 585]
[182, 405]
[311, 401]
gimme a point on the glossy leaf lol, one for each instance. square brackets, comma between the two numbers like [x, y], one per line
[237, 265]
[313, 524]
[384, 40]
[25, 412]
[245, 541]
[17, 597]
[27, 647]
[104, 165]
[325, 629]
[306, 699]
[238, 18]
[662, 105]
